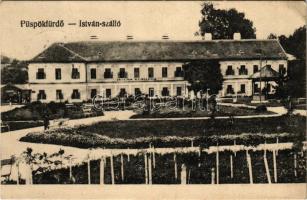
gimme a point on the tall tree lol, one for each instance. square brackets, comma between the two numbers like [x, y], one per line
[203, 75]
[15, 73]
[222, 24]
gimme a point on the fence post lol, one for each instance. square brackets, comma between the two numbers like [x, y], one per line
[149, 170]
[112, 169]
[146, 168]
[234, 144]
[250, 169]
[231, 166]
[70, 169]
[102, 171]
[217, 166]
[17, 166]
[122, 166]
[175, 166]
[128, 156]
[266, 165]
[295, 164]
[183, 175]
[212, 175]
[88, 171]
[275, 167]
[153, 157]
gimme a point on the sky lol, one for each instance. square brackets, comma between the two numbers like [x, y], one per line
[144, 20]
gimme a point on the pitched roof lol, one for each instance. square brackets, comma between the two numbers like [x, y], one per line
[161, 51]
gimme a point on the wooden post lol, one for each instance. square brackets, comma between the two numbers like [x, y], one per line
[266, 165]
[250, 169]
[217, 167]
[146, 168]
[102, 163]
[70, 169]
[88, 171]
[183, 175]
[128, 156]
[175, 166]
[275, 167]
[112, 170]
[149, 170]
[212, 175]
[17, 165]
[122, 166]
[231, 166]
[295, 164]
[153, 158]
[234, 144]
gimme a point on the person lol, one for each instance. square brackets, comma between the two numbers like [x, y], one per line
[46, 121]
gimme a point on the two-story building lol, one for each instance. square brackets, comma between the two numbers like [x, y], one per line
[78, 71]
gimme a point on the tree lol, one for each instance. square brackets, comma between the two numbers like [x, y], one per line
[222, 24]
[203, 75]
[272, 36]
[15, 73]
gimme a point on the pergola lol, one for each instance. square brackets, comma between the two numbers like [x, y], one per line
[265, 74]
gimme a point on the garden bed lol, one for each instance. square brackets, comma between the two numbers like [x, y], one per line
[164, 133]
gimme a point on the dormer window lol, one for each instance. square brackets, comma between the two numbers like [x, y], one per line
[40, 74]
[75, 74]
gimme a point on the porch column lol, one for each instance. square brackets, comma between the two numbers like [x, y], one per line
[172, 88]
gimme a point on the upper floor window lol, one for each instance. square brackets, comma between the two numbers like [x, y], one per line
[136, 72]
[41, 95]
[164, 72]
[40, 74]
[229, 70]
[178, 72]
[281, 69]
[93, 73]
[122, 73]
[243, 70]
[255, 68]
[165, 91]
[59, 94]
[108, 73]
[75, 94]
[58, 74]
[150, 72]
[75, 74]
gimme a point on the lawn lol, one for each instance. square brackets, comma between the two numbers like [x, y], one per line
[165, 112]
[161, 133]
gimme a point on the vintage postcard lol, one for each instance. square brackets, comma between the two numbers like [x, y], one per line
[153, 99]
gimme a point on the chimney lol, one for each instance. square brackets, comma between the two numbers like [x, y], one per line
[129, 37]
[208, 36]
[237, 36]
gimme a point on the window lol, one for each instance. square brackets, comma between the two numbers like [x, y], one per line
[75, 74]
[256, 68]
[150, 72]
[41, 95]
[108, 93]
[242, 88]
[75, 94]
[58, 74]
[165, 91]
[122, 73]
[256, 88]
[108, 73]
[229, 89]
[93, 93]
[179, 91]
[59, 94]
[136, 72]
[178, 72]
[137, 91]
[229, 71]
[242, 70]
[151, 92]
[122, 92]
[93, 73]
[164, 72]
[281, 69]
[40, 74]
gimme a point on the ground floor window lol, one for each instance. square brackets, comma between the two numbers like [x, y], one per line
[59, 94]
[242, 88]
[256, 88]
[93, 93]
[165, 91]
[108, 93]
[75, 94]
[151, 92]
[230, 89]
[122, 92]
[179, 91]
[137, 91]
[41, 95]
